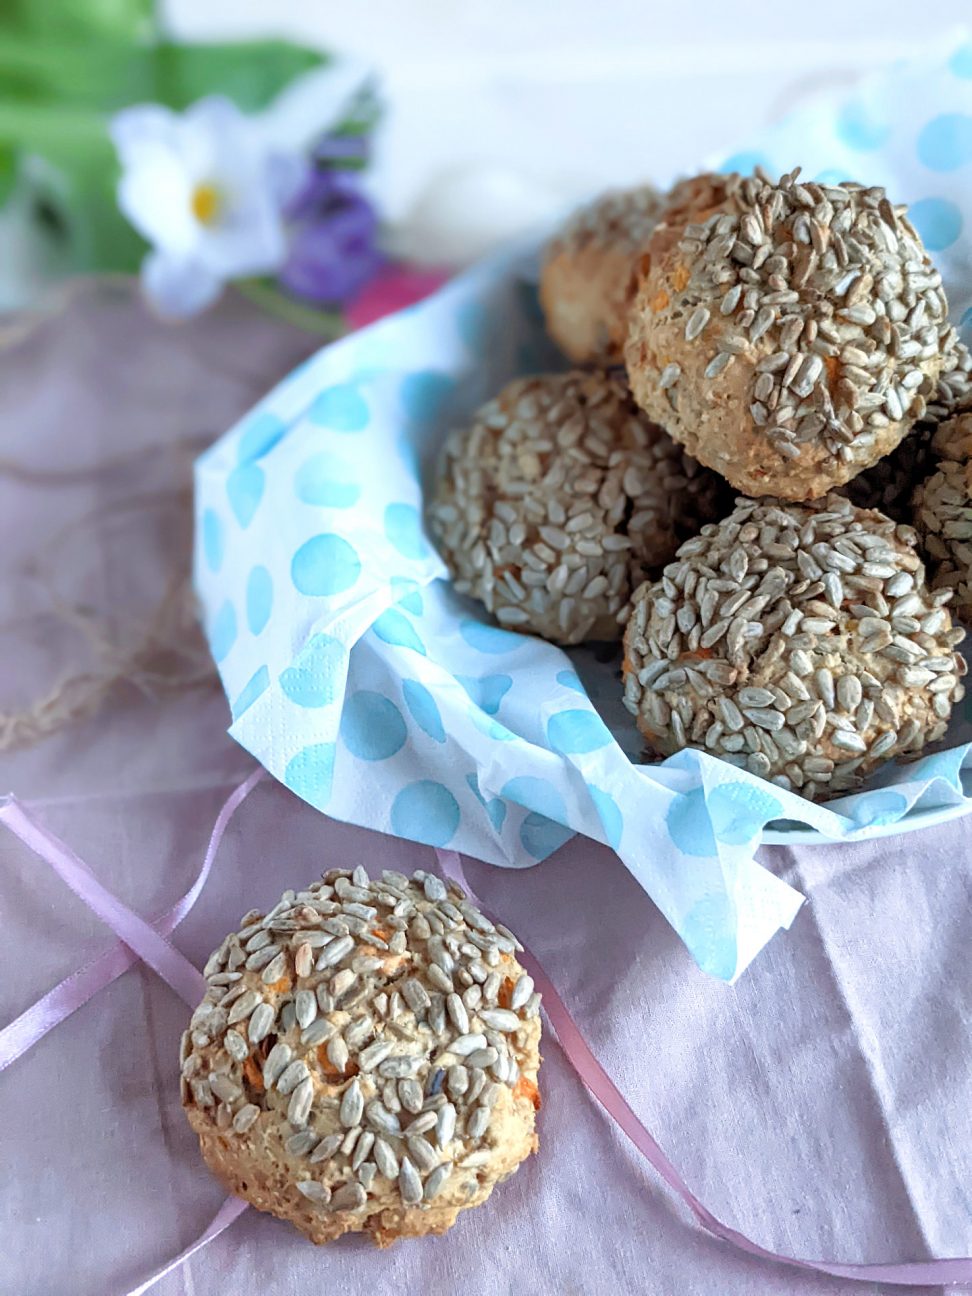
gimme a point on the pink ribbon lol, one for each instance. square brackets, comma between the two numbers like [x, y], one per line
[76, 989]
[137, 939]
[140, 939]
[920, 1273]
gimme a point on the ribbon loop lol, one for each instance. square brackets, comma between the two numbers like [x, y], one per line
[140, 939]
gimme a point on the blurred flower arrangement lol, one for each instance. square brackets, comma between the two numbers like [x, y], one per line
[195, 164]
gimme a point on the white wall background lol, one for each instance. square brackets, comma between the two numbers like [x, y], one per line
[498, 109]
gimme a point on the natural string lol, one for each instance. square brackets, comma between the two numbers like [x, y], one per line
[147, 942]
[163, 655]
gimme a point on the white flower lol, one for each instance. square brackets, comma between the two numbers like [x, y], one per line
[206, 189]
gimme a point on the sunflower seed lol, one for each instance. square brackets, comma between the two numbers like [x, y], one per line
[275, 969]
[696, 323]
[411, 1095]
[422, 1153]
[352, 1105]
[236, 1046]
[382, 1119]
[385, 1158]
[245, 1118]
[478, 1123]
[292, 1075]
[299, 1107]
[326, 1148]
[301, 1143]
[463, 1045]
[317, 1032]
[501, 1019]
[370, 1057]
[350, 1197]
[409, 1183]
[224, 1088]
[362, 1150]
[335, 952]
[243, 1006]
[278, 1059]
[415, 995]
[337, 1053]
[436, 1181]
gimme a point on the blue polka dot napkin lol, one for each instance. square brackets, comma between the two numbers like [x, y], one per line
[361, 680]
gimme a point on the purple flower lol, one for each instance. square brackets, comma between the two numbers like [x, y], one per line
[333, 239]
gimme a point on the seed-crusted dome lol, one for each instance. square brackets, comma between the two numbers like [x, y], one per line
[792, 337]
[587, 281]
[943, 512]
[365, 1058]
[800, 643]
[890, 484]
[551, 507]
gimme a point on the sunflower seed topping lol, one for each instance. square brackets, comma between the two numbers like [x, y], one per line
[826, 295]
[314, 1191]
[368, 1066]
[823, 621]
[623, 495]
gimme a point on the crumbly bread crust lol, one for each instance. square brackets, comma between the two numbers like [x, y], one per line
[798, 642]
[365, 1058]
[558, 500]
[788, 335]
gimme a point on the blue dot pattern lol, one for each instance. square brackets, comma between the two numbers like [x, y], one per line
[372, 726]
[342, 408]
[326, 480]
[213, 543]
[424, 710]
[222, 632]
[259, 599]
[403, 527]
[325, 564]
[945, 144]
[425, 811]
[255, 687]
[938, 221]
[244, 489]
[487, 691]
[362, 681]
[258, 436]
[392, 627]
[316, 678]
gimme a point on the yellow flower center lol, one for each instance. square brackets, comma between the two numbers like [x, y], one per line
[206, 202]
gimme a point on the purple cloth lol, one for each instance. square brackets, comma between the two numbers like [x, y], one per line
[822, 1105]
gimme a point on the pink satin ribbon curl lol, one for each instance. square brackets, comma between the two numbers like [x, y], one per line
[147, 941]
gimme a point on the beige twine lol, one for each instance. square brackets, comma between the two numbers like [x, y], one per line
[163, 655]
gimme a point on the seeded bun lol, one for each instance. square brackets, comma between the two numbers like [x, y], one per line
[689, 201]
[890, 484]
[587, 281]
[943, 512]
[791, 337]
[800, 643]
[559, 498]
[365, 1058]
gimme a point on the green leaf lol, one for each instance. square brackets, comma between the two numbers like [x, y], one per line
[8, 171]
[75, 143]
[251, 73]
[112, 74]
[106, 75]
[119, 20]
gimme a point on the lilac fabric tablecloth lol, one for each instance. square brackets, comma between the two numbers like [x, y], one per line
[823, 1105]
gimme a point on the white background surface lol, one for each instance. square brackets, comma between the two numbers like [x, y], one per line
[501, 110]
